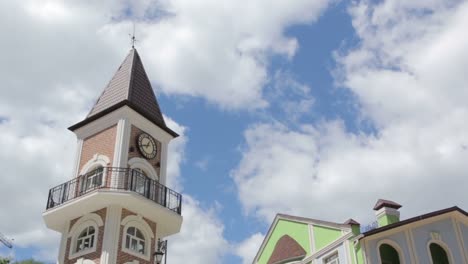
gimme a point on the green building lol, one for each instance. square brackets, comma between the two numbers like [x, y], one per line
[439, 237]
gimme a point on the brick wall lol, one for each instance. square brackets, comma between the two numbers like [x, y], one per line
[101, 143]
[134, 152]
[96, 255]
[123, 257]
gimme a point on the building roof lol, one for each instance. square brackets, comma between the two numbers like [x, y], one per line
[311, 220]
[129, 86]
[386, 203]
[414, 219]
[296, 219]
[286, 249]
[351, 222]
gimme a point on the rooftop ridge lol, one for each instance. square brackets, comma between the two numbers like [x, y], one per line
[130, 86]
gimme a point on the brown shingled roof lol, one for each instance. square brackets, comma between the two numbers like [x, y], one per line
[129, 86]
[286, 249]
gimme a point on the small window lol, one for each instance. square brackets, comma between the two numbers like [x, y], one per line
[333, 259]
[92, 179]
[388, 254]
[86, 239]
[438, 254]
[135, 241]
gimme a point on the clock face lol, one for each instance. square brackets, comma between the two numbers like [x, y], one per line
[147, 146]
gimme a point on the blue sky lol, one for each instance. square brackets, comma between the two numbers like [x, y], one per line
[312, 108]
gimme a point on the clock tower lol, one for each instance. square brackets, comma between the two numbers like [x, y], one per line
[116, 206]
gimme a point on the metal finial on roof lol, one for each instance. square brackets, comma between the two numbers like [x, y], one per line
[132, 37]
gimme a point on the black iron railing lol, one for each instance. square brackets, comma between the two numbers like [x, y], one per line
[111, 178]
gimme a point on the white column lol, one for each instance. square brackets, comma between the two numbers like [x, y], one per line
[79, 147]
[63, 244]
[163, 169]
[122, 139]
[111, 235]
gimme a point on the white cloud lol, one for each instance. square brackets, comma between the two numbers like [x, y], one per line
[176, 155]
[248, 248]
[58, 57]
[408, 75]
[201, 238]
[219, 50]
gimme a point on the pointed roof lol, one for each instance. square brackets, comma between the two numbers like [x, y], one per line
[351, 222]
[129, 86]
[286, 249]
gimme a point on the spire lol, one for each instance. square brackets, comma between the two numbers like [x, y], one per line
[129, 86]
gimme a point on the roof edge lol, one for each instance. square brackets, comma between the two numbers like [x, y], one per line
[414, 219]
[311, 220]
[115, 107]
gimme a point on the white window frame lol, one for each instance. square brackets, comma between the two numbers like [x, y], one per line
[88, 181]
[86, 221]
[144, 165]
[98, 160]
[134, 237]
[395, 245]
[138, 222]
[329, 256]
[88, 236]
[443, 246]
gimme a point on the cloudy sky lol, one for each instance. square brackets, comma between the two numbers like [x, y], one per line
[309, 107]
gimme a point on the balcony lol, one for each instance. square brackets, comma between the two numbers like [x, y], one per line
[109, 185]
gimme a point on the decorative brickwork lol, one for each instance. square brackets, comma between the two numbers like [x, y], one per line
[94, 256]
[134, 152]
[101, 143]
[123, 257]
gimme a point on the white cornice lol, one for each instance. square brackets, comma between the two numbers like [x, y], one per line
[113, 118]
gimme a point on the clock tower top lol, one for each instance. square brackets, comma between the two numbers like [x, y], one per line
[130, 86]
[116, 207]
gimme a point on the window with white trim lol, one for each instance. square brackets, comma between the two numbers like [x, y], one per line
[135, 240]
[92, 179]
[333, 259]
[438, 254]
[86, 239]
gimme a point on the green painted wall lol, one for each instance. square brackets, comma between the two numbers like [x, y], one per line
[351, 252]
[297, 231]
[356, 229]
[359, 254]
[324, 236]
[387, 219]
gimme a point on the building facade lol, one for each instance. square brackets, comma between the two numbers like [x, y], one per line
[116, 207]
[439, 237]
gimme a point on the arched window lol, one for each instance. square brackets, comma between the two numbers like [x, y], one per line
[388, 254]
[86, 239]
[136, 237]
[438, 254]
[135, 240]
[92, 179]
[144, 165]
[84, 235]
